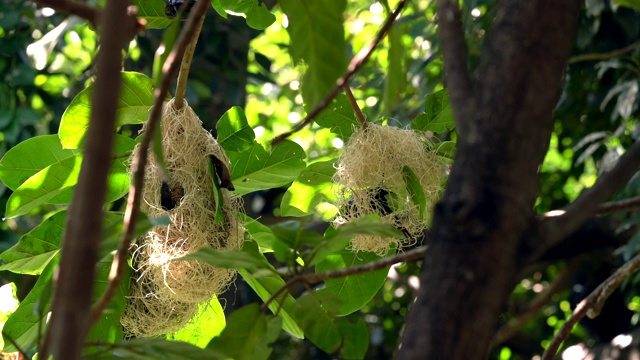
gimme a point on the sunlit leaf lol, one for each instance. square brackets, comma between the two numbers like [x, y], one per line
[54, 183]
[309, 189]
[248, 335]
[254, 169]
[153, 12]
[234, 132]
[317, 38]
[437, 116]
[414, 188]
[395, 79]
[255, 12]
[134, 102]
[338, 117]
[25, 325]
[29, 157]
[208, 323]
[228, 259]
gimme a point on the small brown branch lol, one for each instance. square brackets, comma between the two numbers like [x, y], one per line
[140, 160]
[508, 330]
[356, 63]
[185, 66]
[92, 14]
[354, 106]
[591, 305]
[575, 214]
[311, 279]
[454, 50]
[619, 206]
[603, 56]
[70, 311]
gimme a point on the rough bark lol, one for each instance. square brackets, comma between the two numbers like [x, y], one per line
[504, 128]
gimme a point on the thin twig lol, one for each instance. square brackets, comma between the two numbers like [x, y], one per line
[354, 106]
[603, 56]
[185, 66]
[310, 279]
[454, 51]
[89, 13]
[355, 65]
[591, 305]
[575, 214]
[140, 161]
[71, 307]
[619, 206]
[516, 323]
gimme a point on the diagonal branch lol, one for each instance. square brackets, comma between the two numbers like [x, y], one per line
[591, 305]
[356, 63]
[79, 253]
[454, 50]
[603, 56]
[311, 279]
[169, 70]
[575, 214]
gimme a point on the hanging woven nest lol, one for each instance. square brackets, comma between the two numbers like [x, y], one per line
[169, 291]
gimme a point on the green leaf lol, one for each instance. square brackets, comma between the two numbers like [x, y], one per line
[255, 12]
[312, 186]
[356, 339]
[158, 349]
[268, 284]
[134, 102]
[35, 249]
[395, 80]
[446, 149]
[234, 132]
[338, 117]
[248, 335]
[218, 8]
[8, 304]
[315, 317]
[169, 38]
[228, 259]
[108, 328]
[29, 157]
[54, 183]
[254, 169]
[262, 234]
[353, 291]
[634, 4]
[153, 12]
[317, 38]
[437, 116]
[337, 239]
[207, 324]
[415, 189]
[27, 322]
[114, 227]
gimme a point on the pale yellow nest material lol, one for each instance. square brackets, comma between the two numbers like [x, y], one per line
[186, 148]
[369, 179]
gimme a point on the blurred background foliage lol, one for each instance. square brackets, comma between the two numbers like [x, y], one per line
[46, 58]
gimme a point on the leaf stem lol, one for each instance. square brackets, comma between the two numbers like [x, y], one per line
[356, 63]
[354, 106]
[140, 160]
[603, 56]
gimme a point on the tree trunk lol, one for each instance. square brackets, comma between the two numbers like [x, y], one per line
[504, 119]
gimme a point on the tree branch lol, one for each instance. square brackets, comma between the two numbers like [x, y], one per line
[454, 50]
[575, 214]
[603, 56]
[355, 65]
[140, 160]
[619, 206]
[91, 13]
[79, 253]
[311, 279]
[185, 66]
[516, 323]
[591, 305]
[354, 106]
